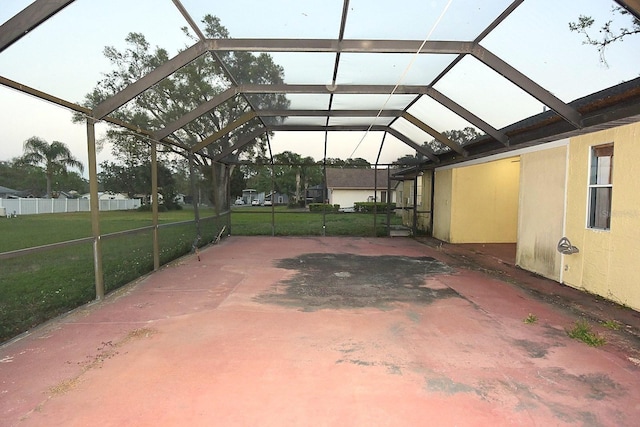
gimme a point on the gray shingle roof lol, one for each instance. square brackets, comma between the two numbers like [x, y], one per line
[6, 190]
[355, 178]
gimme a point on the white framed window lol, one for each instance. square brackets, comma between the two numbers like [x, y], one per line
[600, 187]
[412, 189]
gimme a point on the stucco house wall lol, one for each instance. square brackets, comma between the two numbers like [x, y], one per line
[541, 198]
[347, 197]
[541, 211]
[608, 261]
[478, 203]
[347, 186]
[442, 204]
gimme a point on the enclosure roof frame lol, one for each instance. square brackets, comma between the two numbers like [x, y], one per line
[564, 118]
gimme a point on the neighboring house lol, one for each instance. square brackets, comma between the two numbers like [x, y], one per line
[345, 186]
[314, 194]
[68, 194]
[252, 197]
[535, 196]
[6, 193]
[145, 199]
[107, 196]
[276, 198]
[249, 195]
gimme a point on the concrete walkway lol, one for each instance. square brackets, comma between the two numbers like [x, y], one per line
[328, 332]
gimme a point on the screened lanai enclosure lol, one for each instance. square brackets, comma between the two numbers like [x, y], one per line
[275, 88]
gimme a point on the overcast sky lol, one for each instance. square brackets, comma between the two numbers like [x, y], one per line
[64, 57]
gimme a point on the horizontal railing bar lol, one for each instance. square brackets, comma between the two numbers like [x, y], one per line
[68, 243]
[125, 232]
[263, 212]
[43, 248]
[169, 224]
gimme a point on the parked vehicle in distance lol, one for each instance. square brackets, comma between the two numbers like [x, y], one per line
[255, 202]
[267, 203]
[239, 202]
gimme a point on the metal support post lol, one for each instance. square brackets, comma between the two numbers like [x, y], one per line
[415, 206]
[388, 201]
[196, 200]
[375, 199]
[154, 204]
[94, 203]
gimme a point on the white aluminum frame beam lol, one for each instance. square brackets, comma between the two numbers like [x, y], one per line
[244, 140]
[434, 133]
[426, 151]
[330, 89]
[340, 46]
[224, 131]
[633, 6]
[468, 116]
[28, 19]
[136, 88]
[525, 83]
[329, 113]
[80, 109]
[199, 111]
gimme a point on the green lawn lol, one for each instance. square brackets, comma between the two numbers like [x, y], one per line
[39, 286]
[35, 230]
[258, 221]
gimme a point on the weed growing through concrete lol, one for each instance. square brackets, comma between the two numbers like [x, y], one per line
[530, 319]
[582, 331]
[614, 325]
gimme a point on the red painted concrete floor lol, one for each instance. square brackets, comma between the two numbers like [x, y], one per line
[244, 338]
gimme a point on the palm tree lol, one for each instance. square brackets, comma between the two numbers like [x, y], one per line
[55, 157]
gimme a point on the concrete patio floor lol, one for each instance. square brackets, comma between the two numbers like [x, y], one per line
[328, 331]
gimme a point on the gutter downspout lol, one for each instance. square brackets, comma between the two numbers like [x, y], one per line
[433, 199]
[414, 229]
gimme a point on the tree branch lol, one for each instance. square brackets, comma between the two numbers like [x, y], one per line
[606, 35]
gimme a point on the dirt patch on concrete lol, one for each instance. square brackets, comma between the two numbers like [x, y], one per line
[448, 386]
[340, 281]
[596, 386]
[534, 349]
[105, 351]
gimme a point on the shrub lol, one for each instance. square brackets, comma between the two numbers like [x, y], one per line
[147, 208]
[368, 207]
[320, 207]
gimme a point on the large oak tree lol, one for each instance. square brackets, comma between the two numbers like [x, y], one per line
[187, 88]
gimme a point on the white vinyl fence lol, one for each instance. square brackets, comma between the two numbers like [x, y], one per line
[42, 206]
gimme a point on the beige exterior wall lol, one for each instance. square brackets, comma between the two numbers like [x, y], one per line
[541, 211]
[479, 203]
[424, 210]
[442, 205]
[608, 263]
[346, 198]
